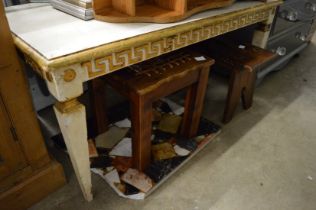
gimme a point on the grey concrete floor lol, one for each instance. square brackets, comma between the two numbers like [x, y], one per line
[264, 159]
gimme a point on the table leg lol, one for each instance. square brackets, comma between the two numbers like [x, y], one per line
[262, 33]
[71, 117]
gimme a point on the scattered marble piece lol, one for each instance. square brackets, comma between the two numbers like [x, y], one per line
[189, 144]
[181, 151]
[170, 123]
[130, 190]
[199, 139]
[200, 58]
[111, 178]
[164, 107]
[310, 178]
[103, 151]
[126, 123]
[138, 196]
[110, 168]
[242, 47]
[121, 187]
[156, 115]
[157, 170]
[98, 171]
[100, 162]
[92, 149]
[123, 148]
[176, 108]
[207, 127]
[111, 137]
[160, 135]
[163, 151]
[122, 164]
[137, 179]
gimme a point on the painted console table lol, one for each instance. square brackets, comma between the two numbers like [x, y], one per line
[67, 52]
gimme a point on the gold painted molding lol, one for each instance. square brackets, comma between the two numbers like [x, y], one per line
[107, 58]
[114, 61]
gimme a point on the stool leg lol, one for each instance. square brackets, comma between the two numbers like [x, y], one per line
[248, 91]
[194, 104]
[141, 117]
[233, 96]
[97, 98]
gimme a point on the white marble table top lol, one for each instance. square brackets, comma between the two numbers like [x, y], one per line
[53, 33]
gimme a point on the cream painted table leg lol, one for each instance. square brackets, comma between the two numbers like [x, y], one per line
[261, 35]
[71, 116]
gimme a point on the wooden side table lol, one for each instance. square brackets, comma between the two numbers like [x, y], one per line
[147, 82]
[242, 62]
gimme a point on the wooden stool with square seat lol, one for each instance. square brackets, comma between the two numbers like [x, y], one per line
[242, 62]
[151, 80]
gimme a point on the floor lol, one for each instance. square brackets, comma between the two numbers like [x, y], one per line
[264, 159]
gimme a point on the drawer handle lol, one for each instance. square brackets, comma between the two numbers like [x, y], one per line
[289, 15]
[281, 51]
[309, 6]
[292, 16]
[301, 36]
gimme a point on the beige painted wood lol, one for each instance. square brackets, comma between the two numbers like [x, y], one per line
[72, 40]
[312, 31]
[66, 83]
[261, 35]
[71, 117]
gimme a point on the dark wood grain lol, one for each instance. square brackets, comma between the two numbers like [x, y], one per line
[151, 80]
[194, 104]
[97, 97]
[242, 62]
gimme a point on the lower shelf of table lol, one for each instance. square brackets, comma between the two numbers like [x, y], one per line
[203, 143]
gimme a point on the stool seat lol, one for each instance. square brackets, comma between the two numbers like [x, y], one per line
[242, 62]
[151, 80]
[239, 57]
[149, 75]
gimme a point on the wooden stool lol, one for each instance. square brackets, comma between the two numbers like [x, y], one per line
[242, 62]
[151, 80]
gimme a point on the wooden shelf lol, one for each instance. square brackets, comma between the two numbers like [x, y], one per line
[159, 11]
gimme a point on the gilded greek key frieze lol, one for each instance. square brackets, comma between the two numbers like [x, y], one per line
[145, 51]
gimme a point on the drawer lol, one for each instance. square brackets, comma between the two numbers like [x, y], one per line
[287, 41]
[297, 10]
